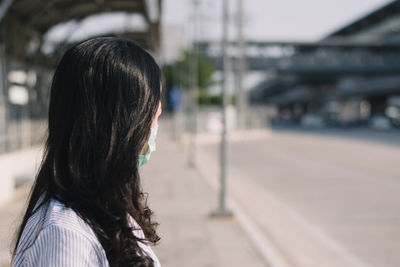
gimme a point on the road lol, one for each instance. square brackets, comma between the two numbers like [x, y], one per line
[323, 198]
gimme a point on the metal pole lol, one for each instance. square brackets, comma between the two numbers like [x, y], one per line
[3, 100]
[179, 114]
[241, 96]
[222, 210]
[194, 89]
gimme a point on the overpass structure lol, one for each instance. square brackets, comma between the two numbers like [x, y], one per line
[336, 57]
[24, 23]
[355, 67]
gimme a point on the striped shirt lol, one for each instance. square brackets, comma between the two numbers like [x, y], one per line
[57, 236]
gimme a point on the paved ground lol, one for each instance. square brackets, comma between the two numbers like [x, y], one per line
[182, 202]
[306, 199]
[322, 199]
[10, 215]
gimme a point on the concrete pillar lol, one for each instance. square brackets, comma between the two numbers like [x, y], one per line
[3, 101]
[298, 111]
[378, 105]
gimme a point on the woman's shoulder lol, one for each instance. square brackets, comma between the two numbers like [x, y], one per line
[58, 216]
[57, 231]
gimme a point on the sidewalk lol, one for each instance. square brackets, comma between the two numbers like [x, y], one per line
[182, 201]
[10, 216]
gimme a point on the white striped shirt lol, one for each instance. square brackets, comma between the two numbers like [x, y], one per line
[57, 236]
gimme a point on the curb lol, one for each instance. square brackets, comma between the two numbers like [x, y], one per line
[265, 248]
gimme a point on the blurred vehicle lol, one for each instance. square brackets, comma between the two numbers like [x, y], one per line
[380, 122]
[312, 121]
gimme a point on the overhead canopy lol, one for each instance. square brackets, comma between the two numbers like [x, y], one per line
[24, 23]
[380, 24]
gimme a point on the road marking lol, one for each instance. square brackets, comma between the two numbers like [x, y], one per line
[266, 248]
[316, 232]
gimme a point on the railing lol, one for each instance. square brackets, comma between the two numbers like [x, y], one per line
[22, 134]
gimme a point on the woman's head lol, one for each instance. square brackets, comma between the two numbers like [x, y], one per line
[107, 91]
[105, 98]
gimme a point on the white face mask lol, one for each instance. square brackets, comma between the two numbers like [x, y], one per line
[152, 147]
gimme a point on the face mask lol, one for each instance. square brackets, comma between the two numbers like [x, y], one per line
[152, 147]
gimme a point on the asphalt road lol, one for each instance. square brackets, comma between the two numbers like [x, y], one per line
[341, 189]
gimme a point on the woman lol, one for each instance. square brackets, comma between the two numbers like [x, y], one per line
[86, 207]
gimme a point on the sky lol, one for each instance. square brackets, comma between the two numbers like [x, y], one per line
[265, 20]
[268, 20]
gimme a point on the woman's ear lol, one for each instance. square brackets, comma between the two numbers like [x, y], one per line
[158, 113]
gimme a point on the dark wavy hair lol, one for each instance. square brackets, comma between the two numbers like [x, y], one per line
[104, 97]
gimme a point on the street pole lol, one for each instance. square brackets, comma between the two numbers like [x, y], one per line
[194, 89]
[3, 101]
[222, 210]
[241, 94]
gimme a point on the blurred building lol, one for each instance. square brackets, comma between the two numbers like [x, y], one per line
[351, 77]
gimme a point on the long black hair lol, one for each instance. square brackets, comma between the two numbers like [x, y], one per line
[104, 97]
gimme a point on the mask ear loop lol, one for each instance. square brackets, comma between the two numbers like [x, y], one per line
[145, 149]
[150, 147]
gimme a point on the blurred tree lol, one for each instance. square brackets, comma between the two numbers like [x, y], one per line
[179, 73]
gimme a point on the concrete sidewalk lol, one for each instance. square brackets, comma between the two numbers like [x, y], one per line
[10, 216]
[182, 201]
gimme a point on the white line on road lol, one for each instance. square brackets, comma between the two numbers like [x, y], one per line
[318, 233]
[267, 250]
[265, 247]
